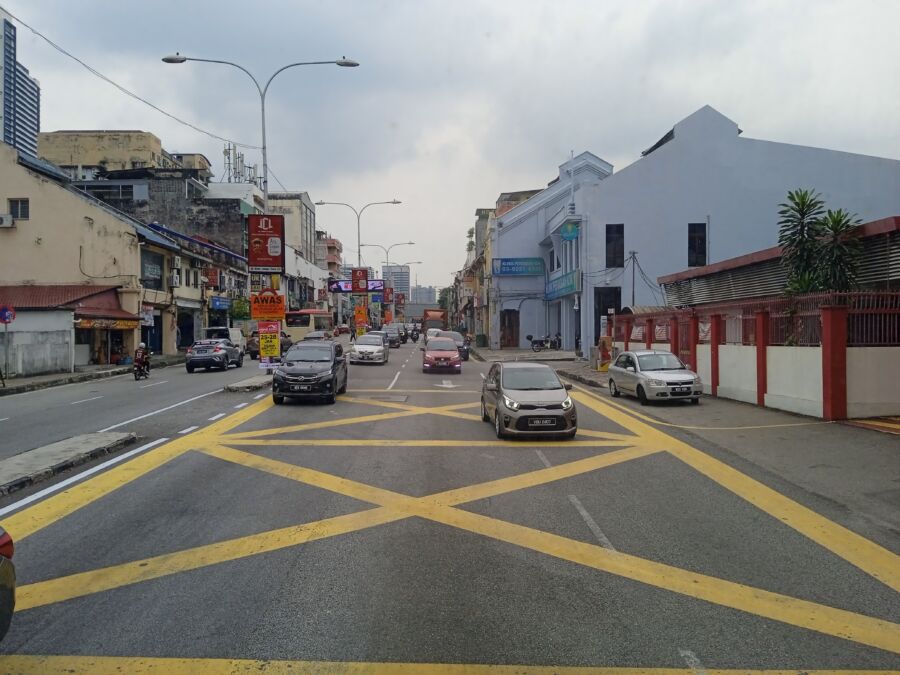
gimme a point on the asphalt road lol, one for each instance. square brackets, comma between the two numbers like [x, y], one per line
[394, 528]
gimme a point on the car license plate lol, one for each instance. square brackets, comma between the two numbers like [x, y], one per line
[200, 351]
[299, 387]
[542, 422]
[681, 390]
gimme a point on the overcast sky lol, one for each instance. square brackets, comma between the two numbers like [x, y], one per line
[457, 101]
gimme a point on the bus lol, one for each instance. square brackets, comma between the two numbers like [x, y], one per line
[299, 322]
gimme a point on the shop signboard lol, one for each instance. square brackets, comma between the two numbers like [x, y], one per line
[360, 319]
[562, 286]
[219, 302]
[267, 305]
[108, 324]
[360, 278]
[147, 315]
[517, 267]
[269, 338]
[346, 285]
[569, 231]
[266, 239]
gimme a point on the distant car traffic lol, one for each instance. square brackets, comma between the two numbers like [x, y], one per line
[369, 349]
[430, 333]
[393, 334]
[441, 354]
[317, 335]
[311, 369]
[213, 354]
[523, 398]
[383, 335]
[7, 581]
[653, 375]
[460, 341]
[342, 329]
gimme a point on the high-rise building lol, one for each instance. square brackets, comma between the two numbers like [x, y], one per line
[398, 277]
[423, 295]
[20, 94]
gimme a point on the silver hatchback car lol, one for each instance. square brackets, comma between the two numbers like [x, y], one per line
[523, 398]
[653, 375]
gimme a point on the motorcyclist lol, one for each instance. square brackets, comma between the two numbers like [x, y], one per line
[142, 357]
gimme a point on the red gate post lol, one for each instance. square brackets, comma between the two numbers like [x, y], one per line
[627, 324]
[694, 339]
[834, 362]
[649, 333]
[674, 344]
[762, 342]
[715, 337]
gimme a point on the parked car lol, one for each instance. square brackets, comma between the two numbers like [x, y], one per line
[342, 329]
[369, 349]
[311, 369]
[460, 341]
[234, 335]
[7, 581]
[653, 375]
[253, 344]
[213, 354]
[441, 354]
[393, 334]
[317, 335]
[523, 398]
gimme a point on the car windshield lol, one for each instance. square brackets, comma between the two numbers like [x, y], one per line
[530, 379]
[309, 354]
[452, 334]
[373, 340]
[441, 345]
[660, 362]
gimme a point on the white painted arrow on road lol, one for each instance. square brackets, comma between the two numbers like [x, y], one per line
[447, 384]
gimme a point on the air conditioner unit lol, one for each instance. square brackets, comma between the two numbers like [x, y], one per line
[6, 220]
[204, 280]
[174, 280]
[176, 262]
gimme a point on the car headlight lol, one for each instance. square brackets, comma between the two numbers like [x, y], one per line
[656, 383]
[567, 404]
[325, 376]
[697, 380]
[509, 403]
[278, 375]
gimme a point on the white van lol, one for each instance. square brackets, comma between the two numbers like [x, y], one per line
[223, 332]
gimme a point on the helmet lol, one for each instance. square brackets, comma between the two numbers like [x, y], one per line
[142, 346]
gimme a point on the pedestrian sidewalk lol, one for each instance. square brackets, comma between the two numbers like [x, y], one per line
[19, 385]
[484, 354]
[581, 371]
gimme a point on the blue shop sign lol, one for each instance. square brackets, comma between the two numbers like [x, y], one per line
[218, 302]
[517, 267]
[563, 285]
[569, 231]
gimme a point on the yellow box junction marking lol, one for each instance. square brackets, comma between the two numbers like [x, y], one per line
[391, 506]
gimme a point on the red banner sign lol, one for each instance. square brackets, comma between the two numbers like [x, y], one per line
[401, 298]
[266, 238]
[388, 295]
[360, 278]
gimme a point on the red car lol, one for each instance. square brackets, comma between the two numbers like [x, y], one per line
[7, 581]
[441, 354]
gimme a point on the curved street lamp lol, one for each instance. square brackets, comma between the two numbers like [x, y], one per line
[358, 213]
[387, 257]
[344, 62]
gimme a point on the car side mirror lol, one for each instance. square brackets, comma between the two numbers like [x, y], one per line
[568, 386]
[490, 386]
[630, 369]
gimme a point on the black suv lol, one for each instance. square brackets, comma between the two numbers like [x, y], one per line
[311, 369]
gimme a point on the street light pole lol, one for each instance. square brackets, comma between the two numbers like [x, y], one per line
[263, 90]
[387, 259]
[358, 213]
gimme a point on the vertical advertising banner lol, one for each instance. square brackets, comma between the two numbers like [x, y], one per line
[265, 235]
[360, 280]
[388, 295]
[269, 342]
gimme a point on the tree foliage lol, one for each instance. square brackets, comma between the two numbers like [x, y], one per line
[240, 308]
[839, 253]
[799, 231]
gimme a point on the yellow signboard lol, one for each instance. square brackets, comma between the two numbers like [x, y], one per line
[269, 344]
[267, 304]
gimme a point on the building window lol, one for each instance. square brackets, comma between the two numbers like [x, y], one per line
[615, 245]
[696, 244]
[19, 208]
[151, 270]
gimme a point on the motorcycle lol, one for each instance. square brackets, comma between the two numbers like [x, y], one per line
[546, 342]
[141, 369]
[415, 336]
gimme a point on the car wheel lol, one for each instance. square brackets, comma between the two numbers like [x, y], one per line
[240, 363]
[330, 399]
[571, 435]
[277, 400]
[642, 396]
[484, 413]
[695, 401]
[343, 389]
[253, 356]
[498, 425]
[614, 390]
[190, 369]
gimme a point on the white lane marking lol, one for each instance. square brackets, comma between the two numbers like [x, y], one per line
[447, 384]
[394, 381]
[216, 417]
[543, 458]
[155, 384]
[4, 419]
[188, 430]
[156, 412]
[85, 400]
[77, 477]
[240, 405]
[259, 396]
[592, 524]
[403, 366]
[690, 658]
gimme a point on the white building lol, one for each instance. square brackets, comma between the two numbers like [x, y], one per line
[701, 194]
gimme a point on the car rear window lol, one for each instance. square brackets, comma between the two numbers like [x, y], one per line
[441, 345]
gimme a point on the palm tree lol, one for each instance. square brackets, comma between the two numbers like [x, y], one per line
[839, 251]
[798, 235]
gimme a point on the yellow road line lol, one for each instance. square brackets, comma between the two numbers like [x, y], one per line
[446, 410]
[412, 443]
[46, 512]
[626, 438]
[135, 665]
[385, 392]
[855, 549]
[104, 579]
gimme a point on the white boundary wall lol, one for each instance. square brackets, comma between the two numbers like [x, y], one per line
[873, 381]
[794, 379]
[704, 367]
[737, 372]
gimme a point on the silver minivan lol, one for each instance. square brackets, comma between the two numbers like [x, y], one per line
[653, 375]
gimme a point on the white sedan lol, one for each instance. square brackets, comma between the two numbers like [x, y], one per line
[369, 349]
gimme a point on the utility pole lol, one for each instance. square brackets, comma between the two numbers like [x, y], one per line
[632, 256]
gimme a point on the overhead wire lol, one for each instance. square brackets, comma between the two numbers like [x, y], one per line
[122, 89]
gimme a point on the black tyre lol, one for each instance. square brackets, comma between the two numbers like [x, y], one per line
[137, 375]
[536, 346]
[343, 389]
[240, 363]
[190, 369]
[484, 413]
[642, 396]
[330, 399]
[498, 425]
[254, 356]
[277, 400]
[614, 390]
[695, 401]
